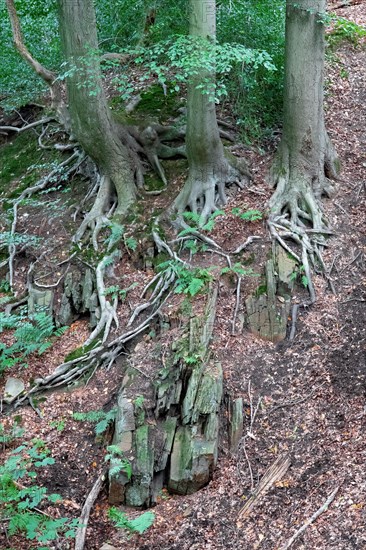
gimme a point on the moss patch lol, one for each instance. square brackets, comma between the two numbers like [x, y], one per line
[154, 102]
[16, 158]
[153, 182]
[79, 352]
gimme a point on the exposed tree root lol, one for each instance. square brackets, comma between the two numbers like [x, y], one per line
[297, 217]
[107, 310]
[204, 191]
[42, 121]
[105, 353]
[98, 217]
[78, 157]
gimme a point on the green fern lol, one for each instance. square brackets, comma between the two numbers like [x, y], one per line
[19, 504]
[137, 525]
[118, 461]
[31, 334]
[248, 215]
[101, 419]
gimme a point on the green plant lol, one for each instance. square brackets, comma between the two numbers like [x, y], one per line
[136, 525]
[343, 29]
[58, 424]
[192, 358]
[299, 275]
[189, 280]
[119, 462]
[238, 269]
[248, 215]
[139, 401]
[101, 419]
[116, 292]
[31, 334]
[197, 222]
[19, 502]
[5, 286]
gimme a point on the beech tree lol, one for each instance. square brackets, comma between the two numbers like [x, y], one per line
[91, 119]
[211, 168]
[306, 161]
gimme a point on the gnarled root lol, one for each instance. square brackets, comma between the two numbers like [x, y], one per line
[107, 310]
[204, 191]
[297, 215]
[97, 218]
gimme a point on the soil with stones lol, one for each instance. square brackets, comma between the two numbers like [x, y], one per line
[310, 393]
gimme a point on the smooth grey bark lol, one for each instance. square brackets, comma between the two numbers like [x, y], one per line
[91, 120]
[210, 167]
[306, 160]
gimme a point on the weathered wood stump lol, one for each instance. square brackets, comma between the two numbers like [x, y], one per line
[268, 313]
[168, 428]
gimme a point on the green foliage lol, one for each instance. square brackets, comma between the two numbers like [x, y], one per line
[180, 59]
[31, 335]
[248, 215]
[239, 270]
[115, 291]
[138, 525]
[5, 286]
[7, 238]
[118, 461]
[255, 92]
[198, 223]
[117, 233]
[192, 359]
[19, 83]
[101, 419]
[19, 503]
[190, 281]
[299, 275]
[343, 29]
[58, 424]
[139, 401]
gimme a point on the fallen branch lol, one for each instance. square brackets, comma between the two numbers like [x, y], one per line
[237, 301]
[294, 314]
[85, 513]
[274, 473]
[246, 244]
[311, 520]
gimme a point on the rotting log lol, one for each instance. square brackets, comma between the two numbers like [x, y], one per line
[168, 427]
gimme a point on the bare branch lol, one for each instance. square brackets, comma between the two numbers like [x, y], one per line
[311, 520]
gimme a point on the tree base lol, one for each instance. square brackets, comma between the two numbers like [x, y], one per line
[204, 190]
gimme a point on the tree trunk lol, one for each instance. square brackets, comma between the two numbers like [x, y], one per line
[306, 161]
[92, 123]
[49, 77]
[210, 168]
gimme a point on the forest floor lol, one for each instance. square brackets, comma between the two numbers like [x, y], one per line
[311, 392]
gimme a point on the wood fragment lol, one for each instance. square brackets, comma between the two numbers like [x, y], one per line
[274, 473]
[311, 520]
[85, 513]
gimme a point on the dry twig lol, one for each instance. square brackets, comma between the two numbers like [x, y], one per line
[311, 520]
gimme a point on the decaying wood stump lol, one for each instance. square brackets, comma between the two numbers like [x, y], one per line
[268, 312]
